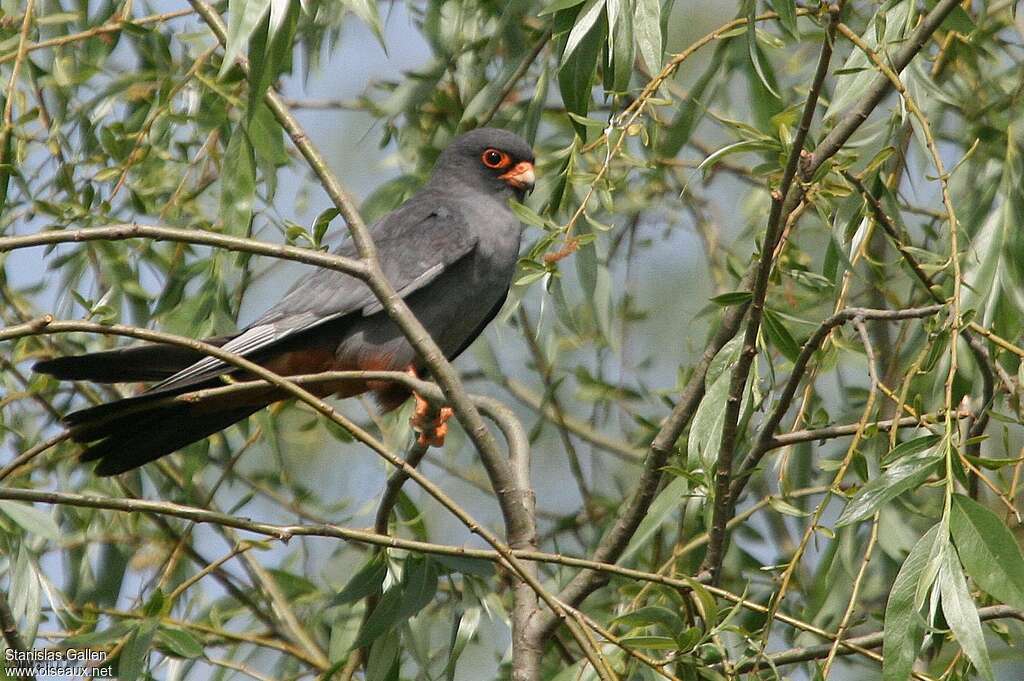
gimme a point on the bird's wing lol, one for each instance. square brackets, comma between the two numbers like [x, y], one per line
[415, 244]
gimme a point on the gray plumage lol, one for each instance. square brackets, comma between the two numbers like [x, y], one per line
[449, 251]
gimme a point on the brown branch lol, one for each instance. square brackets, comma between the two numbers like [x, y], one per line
[9, 628]
[109, 27]
[393, 488]
[7, 126]
[764, 440]
[879, 88]
[516, 76]
[783, 203]
[518, 442]
[831, 432]
[29, 454]
[982, 357]
[131, 230]
[867, 641]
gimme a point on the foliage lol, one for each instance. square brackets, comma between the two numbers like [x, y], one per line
[874, 458]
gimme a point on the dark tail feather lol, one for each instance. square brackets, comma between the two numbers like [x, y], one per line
[104, 420]
[153, 362]
[143, 435]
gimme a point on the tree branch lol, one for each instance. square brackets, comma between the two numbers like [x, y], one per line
[783, 203]
[109, 27]
[866, 641]
[764, 440]
[879, 88]
[9, 628]
[132, 230]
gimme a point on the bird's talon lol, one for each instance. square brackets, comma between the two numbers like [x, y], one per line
[432, 431]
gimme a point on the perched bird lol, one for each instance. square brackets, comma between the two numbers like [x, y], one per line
[449, 251]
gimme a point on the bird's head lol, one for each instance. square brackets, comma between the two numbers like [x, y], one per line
[491, 159]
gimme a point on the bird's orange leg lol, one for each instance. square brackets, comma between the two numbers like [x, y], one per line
[432, 427]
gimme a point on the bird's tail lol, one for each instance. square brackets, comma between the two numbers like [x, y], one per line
[151, 362]
[129, 433]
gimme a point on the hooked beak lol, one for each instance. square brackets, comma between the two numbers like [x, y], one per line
[521, 176]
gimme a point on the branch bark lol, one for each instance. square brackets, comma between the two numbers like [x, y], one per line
[764, 440]
[784, 201]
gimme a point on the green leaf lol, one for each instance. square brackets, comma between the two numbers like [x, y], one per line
[464, 627]
[576, 75]
[914, 446]
[270, 50]
[531, 121]
[622, 45]
[419, 584]
[467, 566]
[786, 9]
[904, 626]
[238, 183]
[779, 335]
[98, 638]
[650, 642]
[155, 605]
[322, 223]
[861, 72]
[243, 18]
[754, 52]
[131, 663]
[962, 615]
[526, 214]
[675, 137]
[586, 21]
[1011, 279]
[731, 298]
[25, 592]
[652, 615]
[668, 500]
[369, 580]
[706, 429]
[383, 658]
[558, 5]
[367, 11]
[31, 519]
[179, 643]
[786, 508]
[647, 29]
[903, 475]
[383, 619]
[960, 21]
[988, 550]
[736, 148]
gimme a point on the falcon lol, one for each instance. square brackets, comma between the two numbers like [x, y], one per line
[449, 251]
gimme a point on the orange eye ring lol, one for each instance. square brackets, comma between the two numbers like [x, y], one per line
[493, 158]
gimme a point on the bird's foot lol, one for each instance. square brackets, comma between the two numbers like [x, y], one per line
[432, 426]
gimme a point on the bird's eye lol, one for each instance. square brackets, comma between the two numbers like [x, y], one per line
[492, 158]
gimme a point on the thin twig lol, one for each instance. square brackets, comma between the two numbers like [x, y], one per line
[109, 27]
[764, 440]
